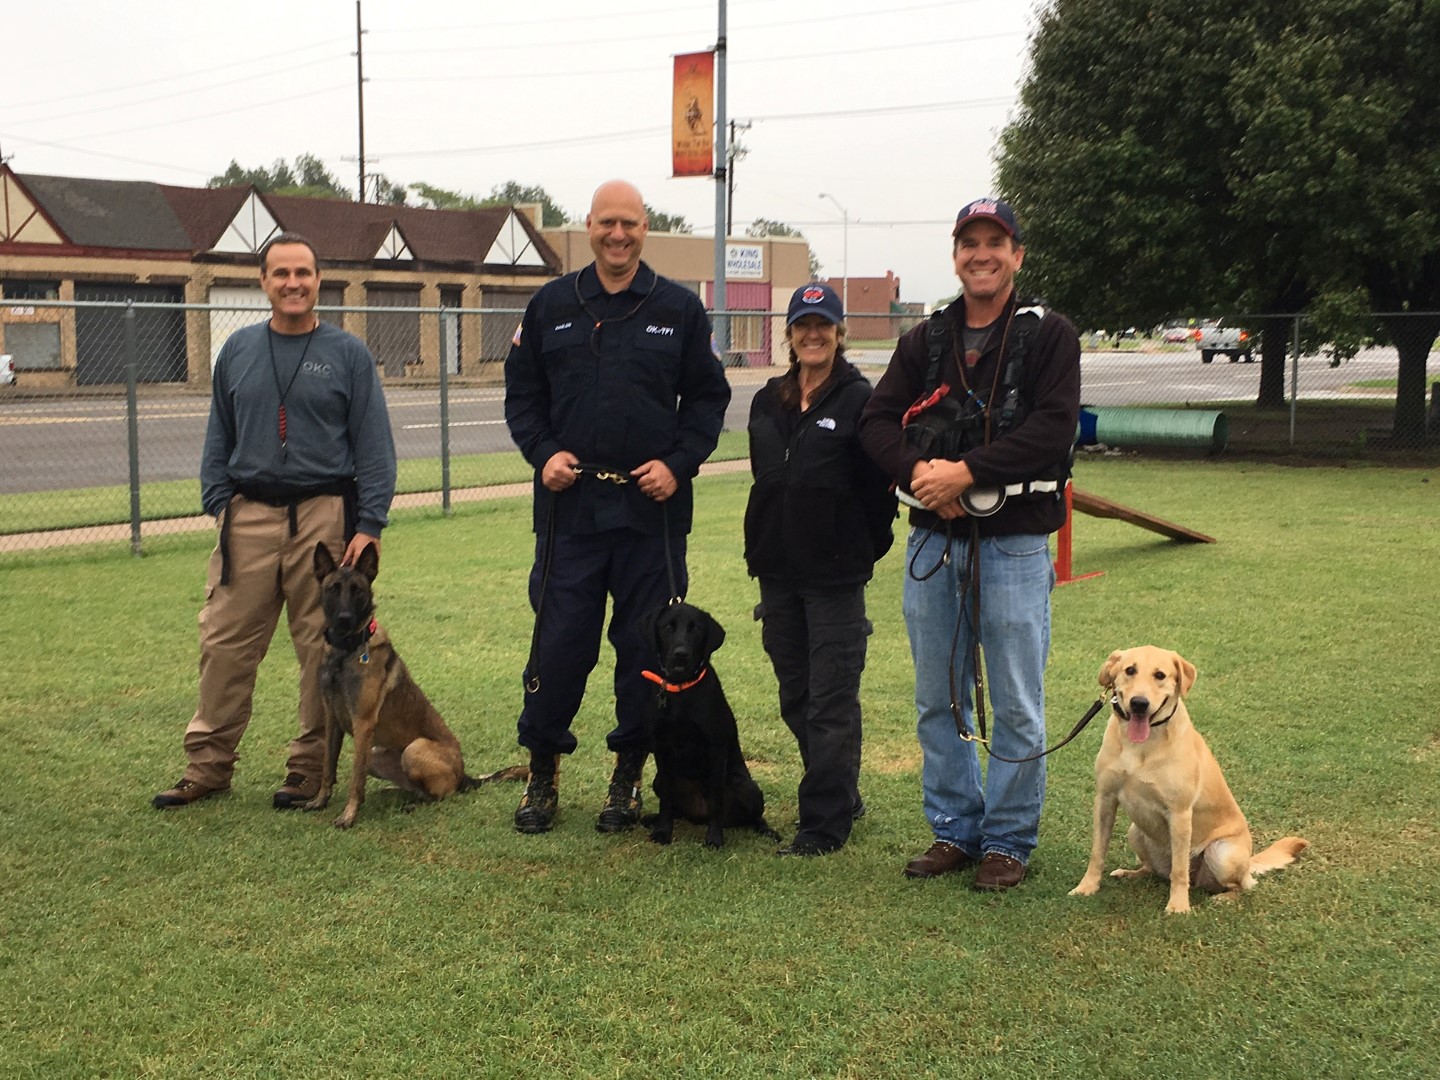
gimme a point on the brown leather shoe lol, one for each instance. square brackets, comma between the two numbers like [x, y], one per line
[998, 872]
[183, 794]
[942, 858]
[297, 790]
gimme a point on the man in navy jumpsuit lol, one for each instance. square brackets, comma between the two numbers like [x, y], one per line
[612, 372]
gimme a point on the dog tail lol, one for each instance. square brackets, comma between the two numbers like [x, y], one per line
[1281, 853]
[510, 772]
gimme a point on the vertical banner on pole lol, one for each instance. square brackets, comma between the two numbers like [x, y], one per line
[693, 120]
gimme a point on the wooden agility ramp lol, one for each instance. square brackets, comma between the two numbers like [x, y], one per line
[1087, 503]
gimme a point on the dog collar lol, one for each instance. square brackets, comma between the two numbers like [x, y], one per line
[356, 641]
[670, 687]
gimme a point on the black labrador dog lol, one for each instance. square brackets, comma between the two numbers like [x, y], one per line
[700, 773]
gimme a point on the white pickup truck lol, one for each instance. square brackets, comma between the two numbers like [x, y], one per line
[1219, 339]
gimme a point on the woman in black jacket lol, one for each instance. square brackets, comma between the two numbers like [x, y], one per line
[819, 515]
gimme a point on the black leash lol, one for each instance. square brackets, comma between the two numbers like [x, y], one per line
[609, 476]
[972, 586]
[532, 666]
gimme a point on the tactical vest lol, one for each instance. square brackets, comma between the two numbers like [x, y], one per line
[945, 423]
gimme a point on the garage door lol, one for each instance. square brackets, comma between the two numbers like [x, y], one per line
[393, 336]
[234, 306]
[100, 335]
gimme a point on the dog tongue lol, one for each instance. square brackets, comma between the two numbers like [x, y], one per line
[1138, 728]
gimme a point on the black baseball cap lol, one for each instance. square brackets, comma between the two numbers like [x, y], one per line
[988, 209]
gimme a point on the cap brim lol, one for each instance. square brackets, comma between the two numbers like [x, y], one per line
[793, 319]
[984, 217]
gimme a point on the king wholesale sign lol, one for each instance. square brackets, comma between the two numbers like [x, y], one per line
[745, 262]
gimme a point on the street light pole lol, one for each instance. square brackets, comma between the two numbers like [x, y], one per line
[845, 253]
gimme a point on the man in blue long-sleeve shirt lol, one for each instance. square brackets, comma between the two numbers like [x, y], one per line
[612, 371]
[298, 450]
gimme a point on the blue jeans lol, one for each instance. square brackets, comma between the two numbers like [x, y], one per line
[1002, 813]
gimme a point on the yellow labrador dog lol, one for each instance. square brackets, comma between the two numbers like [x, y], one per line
[1186, 825]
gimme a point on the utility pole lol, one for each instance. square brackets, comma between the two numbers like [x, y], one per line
[360, 94]
[722, 323]
[736, 153]
[845, 254]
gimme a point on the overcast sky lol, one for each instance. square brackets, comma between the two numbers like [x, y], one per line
[892, 109]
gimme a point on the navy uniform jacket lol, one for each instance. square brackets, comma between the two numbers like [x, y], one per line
[645, 384]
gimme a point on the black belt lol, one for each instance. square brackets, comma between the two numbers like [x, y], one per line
[290, 499]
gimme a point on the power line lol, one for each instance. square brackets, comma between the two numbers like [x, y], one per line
[26, 140]
[551, 76]
[170, 122]
[616, 136]
[670, 32]
[170, 96]
[51, 99]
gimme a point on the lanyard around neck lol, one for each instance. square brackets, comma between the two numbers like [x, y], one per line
[284, 391]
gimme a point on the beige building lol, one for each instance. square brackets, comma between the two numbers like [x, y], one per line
[97, 245]
[761, 273]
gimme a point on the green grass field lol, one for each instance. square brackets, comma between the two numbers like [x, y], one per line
[228, 940]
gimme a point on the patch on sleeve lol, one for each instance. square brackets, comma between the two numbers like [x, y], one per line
[714, 346]
[520, 326]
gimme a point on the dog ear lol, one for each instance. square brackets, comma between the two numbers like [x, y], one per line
[324, 561]
[714, 634]
[368, 562]
[1107, 669]
[1184, 674]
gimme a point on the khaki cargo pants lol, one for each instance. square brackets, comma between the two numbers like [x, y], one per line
[269, 570]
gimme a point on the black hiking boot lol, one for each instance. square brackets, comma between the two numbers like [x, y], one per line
[622, 803]
[536, 812]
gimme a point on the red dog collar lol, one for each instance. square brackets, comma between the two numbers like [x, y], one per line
[670, 687]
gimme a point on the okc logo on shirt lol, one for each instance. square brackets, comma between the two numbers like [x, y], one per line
[315, 367]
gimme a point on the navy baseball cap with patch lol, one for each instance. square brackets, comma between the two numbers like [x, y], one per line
[815, 299]
[988, 209]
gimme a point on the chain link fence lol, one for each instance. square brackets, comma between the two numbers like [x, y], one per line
[104, 403]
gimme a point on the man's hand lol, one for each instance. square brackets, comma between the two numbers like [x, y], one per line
[357, 544]
[655, 479]
[559, 472]
[939, 484]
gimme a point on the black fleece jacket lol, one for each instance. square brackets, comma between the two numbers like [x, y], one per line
[1040, 445]
[820, 510]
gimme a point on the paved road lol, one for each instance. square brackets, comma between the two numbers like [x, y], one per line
[81, 442]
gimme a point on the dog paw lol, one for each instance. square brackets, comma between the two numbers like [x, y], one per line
[659, 837]
[1178, 907]
[317, 803]
[344, 821]
[716, 842]
[1085, 888]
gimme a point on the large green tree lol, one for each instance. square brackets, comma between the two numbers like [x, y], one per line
[307, 176]
[769, 227]
[1238, 157]
[660, 221]
[510, 193]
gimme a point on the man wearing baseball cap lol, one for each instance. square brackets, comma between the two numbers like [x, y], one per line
[976, 416]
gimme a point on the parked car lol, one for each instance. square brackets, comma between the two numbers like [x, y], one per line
[1174, 335]
[1221, 340]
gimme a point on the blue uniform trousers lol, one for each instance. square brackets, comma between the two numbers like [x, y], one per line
[628, 567]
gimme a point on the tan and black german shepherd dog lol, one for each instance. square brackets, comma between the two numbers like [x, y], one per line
[369, 695]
